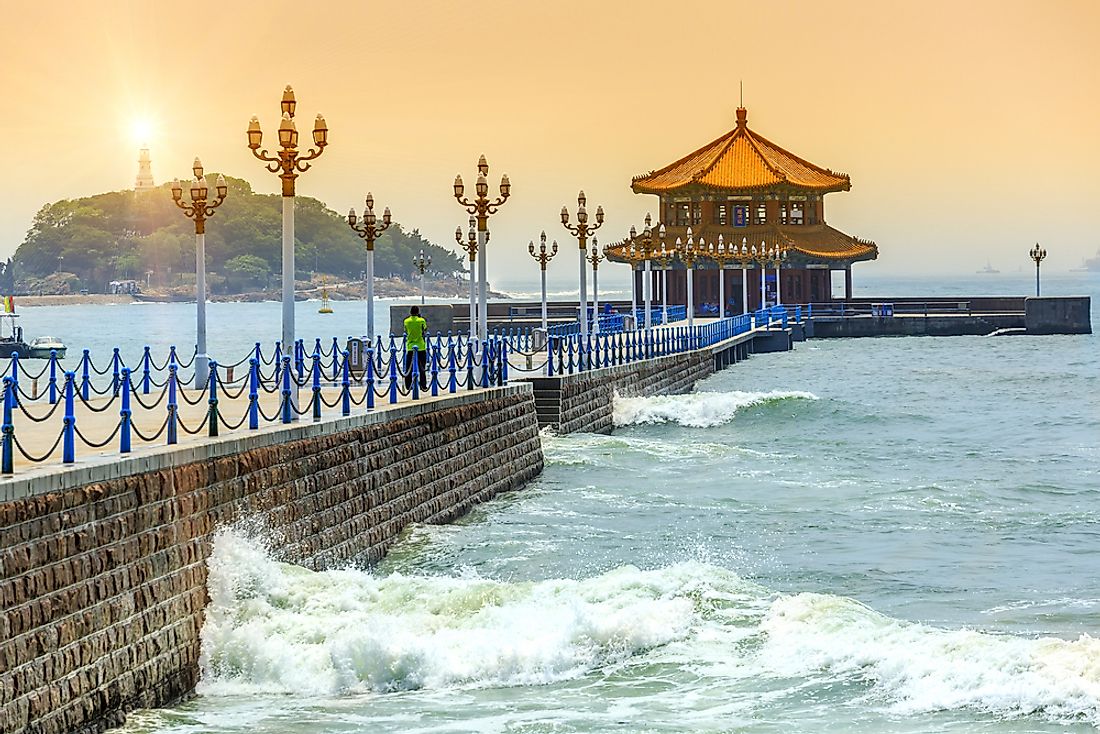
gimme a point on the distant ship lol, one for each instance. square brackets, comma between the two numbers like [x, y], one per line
[989, 269]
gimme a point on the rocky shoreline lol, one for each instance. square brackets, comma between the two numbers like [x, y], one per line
[337, 291]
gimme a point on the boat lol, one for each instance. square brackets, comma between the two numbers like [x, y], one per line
[988, 269]
[325, 308]
[12, 342]
[41, 347]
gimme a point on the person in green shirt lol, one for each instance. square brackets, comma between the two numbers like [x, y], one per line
[416, 330]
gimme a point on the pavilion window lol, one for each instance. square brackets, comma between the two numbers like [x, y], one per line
[783, 212]
[761, 216]
[683, 215]
[796, 213]
[696, 213]
[721, 214]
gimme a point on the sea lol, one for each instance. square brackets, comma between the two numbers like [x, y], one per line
[861, 535]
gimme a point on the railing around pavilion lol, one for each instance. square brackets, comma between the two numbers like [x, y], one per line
[334, 380]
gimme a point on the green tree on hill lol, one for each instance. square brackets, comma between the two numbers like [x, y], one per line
[124, 234]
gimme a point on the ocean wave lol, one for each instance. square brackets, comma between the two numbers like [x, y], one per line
[276, 628]
[696, 410]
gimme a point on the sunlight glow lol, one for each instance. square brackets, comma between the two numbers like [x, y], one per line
[141, 130]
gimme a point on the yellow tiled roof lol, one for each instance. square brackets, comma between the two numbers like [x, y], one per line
[814, 242]
[741, 160]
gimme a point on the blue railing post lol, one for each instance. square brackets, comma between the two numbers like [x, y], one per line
[254, 391]
[7, 464]
[114, 373]
[317, 381]
[335, 359]
[504, 363]
[414, 369]
[173, 406]
[486, 364]
[15, 378]
[369, 379]
[212, 412]
[549, 356]
[68, 442]
[393, 375]
[435, 369]
[345, 384]
[125, 414]
[53, 377]
[452, 368]
[288, 406]
[85, 380]
[469, 365]
[277, 361]
[145, 371]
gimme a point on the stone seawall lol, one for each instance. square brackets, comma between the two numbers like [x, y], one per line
[584, 402]
[103, 577]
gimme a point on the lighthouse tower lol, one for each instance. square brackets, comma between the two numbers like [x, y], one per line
[144, 180]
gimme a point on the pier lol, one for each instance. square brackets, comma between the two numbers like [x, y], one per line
[118, 475]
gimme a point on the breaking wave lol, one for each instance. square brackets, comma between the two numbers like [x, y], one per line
[696, 410]
[274, 627]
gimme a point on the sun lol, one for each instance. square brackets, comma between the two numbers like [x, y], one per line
[141, 129]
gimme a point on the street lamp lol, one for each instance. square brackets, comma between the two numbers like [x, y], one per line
[581, 230]
[776, 257]
[288, 162]
[722, 256]
[543, 257]
[688, 253]
[1037, 254]
[481, 207]
[761, 258]
[662, 258]
[744, 257]
[199, 209]
[469, 244]
[421, 263]
[370, 230]
[642, 248]
[595, 258]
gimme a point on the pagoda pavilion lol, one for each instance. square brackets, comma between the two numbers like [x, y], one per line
[751, 192]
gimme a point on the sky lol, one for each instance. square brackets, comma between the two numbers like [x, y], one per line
[969, 129]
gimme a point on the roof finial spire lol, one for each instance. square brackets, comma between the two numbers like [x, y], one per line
[742, 114]
[742, 83]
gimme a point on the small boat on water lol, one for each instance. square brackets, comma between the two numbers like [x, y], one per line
[989, 269]
[40, 347]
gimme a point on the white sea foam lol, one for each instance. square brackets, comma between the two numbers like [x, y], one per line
[920, 668]
[273, 627]
[280, 628]
[696, 410]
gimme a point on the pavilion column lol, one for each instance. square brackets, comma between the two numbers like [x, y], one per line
[848, 282]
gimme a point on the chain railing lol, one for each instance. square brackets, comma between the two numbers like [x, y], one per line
[154, 401]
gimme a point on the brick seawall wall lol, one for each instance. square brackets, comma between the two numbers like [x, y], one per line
[103, 583]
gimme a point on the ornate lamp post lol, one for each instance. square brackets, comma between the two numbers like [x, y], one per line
[370, 230]
[199, 209]
[776, 257]
[761, 258]
[581, 230]
[288, 162]
[421, 263]
[662, 258]
[481, 207]
[743, 258]
[469, 244]
[595, 258]
[643, 246]
[543, 257]
[1037, 254]
[721, 256]
[688, 254]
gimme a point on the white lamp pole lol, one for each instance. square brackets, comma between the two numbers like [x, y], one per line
[581, 230]
[469, 244]
[543, 257]
[369, 231]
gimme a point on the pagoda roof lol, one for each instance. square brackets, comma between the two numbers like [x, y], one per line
[804, 243]
[741, 161]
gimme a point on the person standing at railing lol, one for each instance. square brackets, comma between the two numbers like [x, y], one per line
[415, 343]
